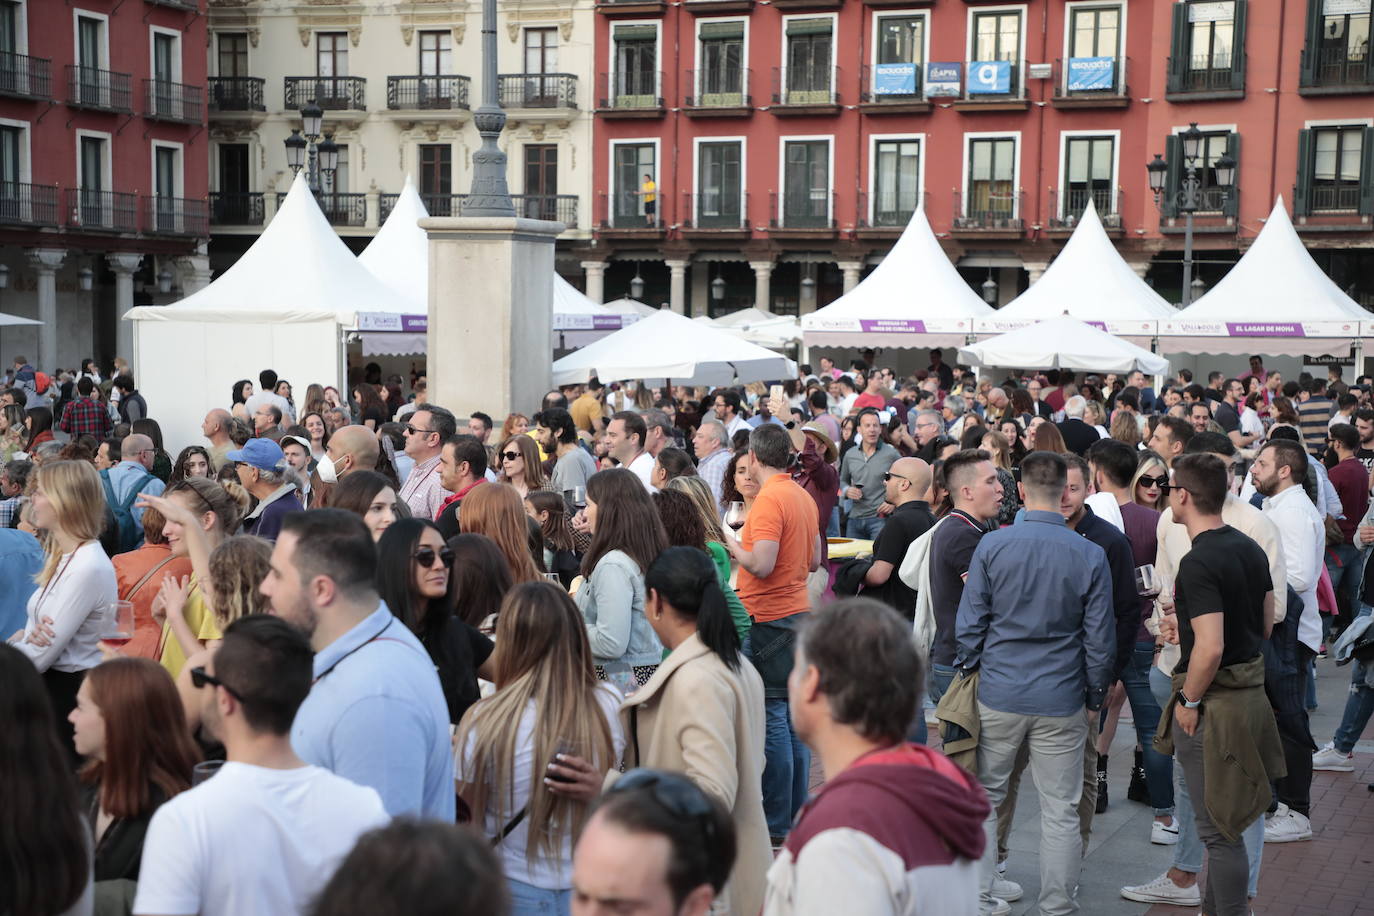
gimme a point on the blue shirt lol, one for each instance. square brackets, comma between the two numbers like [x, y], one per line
[21, 558]
[1036, 617]
[128, 474]
[376, 716]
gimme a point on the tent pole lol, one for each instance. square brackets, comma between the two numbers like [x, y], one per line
[1357, 351]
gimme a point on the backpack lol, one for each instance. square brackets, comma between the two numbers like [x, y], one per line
[130, 531]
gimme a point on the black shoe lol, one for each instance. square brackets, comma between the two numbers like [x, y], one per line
[1140, 789]
[1101, 791]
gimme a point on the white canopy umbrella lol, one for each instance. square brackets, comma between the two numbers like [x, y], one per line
[667, 345]
[914, 298]
[1091, 282]
[1062, 343]
[399, 256]
[1275, 301]
[758, 326]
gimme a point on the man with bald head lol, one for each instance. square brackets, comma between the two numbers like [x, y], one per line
[905, 485]
[133, 475]
[351, 448]
[215, 427]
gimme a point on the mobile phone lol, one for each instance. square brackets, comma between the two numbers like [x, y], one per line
[775, 392]
[563, 747]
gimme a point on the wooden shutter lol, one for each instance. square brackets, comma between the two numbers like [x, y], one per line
[1302, 191]
[1367, 172]
[1232, 206]
[1178, 49]
[1311, 51]
[1238, 46]
[1173, 178]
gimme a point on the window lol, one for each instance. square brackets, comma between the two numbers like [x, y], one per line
[899, 57]
[1093, 64]
[10, 174]
[991, 179]
[719, 175]
[808, 77]
[1337, 44]
[166, 177]
[634, 165]
[1335, 170]
[233, 168]
[1088, 166]
[91, 168]
[90, 58]
[233, 53]
[806, 184]
[541, 181]
[436, 178]
[541, 62]
[166, 100]
[331, 54]
[997, 37]
[436, 53]
[1215, 199]
[635, 78]
[721, 61]
[16, 199]
[9, 27]
[233, 204]
[896, 181]
[340, 183]
[1208, 46]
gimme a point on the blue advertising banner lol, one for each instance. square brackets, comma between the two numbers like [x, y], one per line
[988, 77]
[943, 79]
[894, 79]
[1089, 73]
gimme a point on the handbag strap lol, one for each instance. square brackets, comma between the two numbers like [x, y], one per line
[510, 825]
[148, 575]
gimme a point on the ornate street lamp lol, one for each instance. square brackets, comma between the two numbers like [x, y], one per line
[303, 149]
[990, 289]
[1188, 198]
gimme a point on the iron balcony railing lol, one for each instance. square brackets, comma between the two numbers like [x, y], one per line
[173, 101]
[175, 216]
[104, 90]
[1067, 206]
[717, 208]
[236, 93]
[625, 210]
[340, 208]
[889, 209]
[1333, 198]
[537, 90]
[1216, 72]
[989, 208]
[428, 93]
[236, 208]
[24, 204]
[111, 211]
[879, 86]
[332, 93]
[806, 85]
[1090, 77]
[188, 5]
[719, 87]
[810, 209]
[25, 77]
[560, 208]
[631, 89]
[1337, 67]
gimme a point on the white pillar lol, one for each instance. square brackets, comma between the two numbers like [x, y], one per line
[1036, 269]
[852, 271]
[763, 276]
[677, 286]
[596, 280]
[701, 289]
[372, 215]
[124, 263]
[45, 262]
[195, 273]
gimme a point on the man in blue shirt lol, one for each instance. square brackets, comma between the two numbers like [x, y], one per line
[135, 473]
[1043, 636]
[21, 558]
[376, 713]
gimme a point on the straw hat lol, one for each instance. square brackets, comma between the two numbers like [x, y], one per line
[823, 440]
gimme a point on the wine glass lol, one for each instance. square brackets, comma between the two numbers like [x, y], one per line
[576, 497]
[1146, 581]
[735, 515]
[119, 622]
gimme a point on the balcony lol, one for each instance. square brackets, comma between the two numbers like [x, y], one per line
[99, 90]
[23, 204]
[175, 216]
[995, 215]
[719, 93]
[189, 6]
[103, 211]
[1336, 71]
[884, 215]
[1216, 213]
[340, 208]
[892, 89]
[537, 90]
[332, 93]
[1332, 207]
[173, 102]
[810, 214]
[631, 7]
[801, 91]
[716, 214]
[24, 77]
[428, 93]
[622, 213]
[1091, 82]
[236, 208]
[708, 7]
[631, 94]
[1204, 77]
[556, 208]
[236, 94]
[1067, 206]
[993, 85]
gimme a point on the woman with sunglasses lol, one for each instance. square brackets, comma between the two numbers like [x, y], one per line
[414, 579]
[513, 747]
[520, 466]
[1150, 476]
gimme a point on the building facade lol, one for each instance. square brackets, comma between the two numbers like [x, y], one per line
[102, 169]
[789, 142]
[398, 82]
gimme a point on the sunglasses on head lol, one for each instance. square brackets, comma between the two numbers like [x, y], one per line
[1161, 482]
[511, 456]
[676, 794]
[426, 556]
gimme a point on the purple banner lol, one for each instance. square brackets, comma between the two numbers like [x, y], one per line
[606, 322]
[892, 326]
[415, 323]
[1264, 329]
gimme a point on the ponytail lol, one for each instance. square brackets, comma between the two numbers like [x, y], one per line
[686, 578]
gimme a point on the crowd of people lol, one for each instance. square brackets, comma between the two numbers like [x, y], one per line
[367, 655]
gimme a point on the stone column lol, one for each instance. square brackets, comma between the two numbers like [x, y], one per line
[852, 271]
[763, 276]
[677, 286]
[45, 262]
[124, 263]
[195, 273]
[596, 280]
[1036, 269]
[701, 289]
[372, 215]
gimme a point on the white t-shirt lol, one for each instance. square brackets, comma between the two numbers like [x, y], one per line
[288, 413]
[252, 840]
[643, 468]
[540, 873]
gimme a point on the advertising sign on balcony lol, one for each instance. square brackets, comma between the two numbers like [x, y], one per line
[1089, 73]
[894, 79]
[943, 79]
[1218, 11]
[988, 77]
[1345, 7]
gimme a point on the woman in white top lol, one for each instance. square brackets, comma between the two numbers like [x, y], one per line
[76, 587]
[548, 702]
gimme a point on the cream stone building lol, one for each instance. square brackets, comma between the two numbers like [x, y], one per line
[398, 82]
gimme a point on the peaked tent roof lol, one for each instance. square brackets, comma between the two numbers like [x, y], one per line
[758, 326]
[1063, 342]
[1273, 301]
[399, 254]
[572, 311]
[1089, 281]
[298, 270]
[627, 306]
[914, 298]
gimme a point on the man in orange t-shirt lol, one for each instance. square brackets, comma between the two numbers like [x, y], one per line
[778, 548]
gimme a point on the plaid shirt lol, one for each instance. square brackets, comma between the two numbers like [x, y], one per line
[86, 417]
[9, 508]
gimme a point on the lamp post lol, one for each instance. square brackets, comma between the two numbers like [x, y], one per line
[489, 194]
[305, 149]
[990, 289]
[1188, 198]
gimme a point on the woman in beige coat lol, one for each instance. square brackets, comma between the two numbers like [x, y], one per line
[702, 711]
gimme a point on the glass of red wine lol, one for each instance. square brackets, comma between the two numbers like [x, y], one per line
[735, 515]
[119, 622]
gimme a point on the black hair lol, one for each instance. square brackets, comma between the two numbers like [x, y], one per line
[467, 448]
[1203, 476]
[819, 400]
[634, 424]
[481, 576]
[1213, 444]
[1115, 459]
[333, 543]
[84, 386]
[441, 420]
[268, 665]
[1346, 435]
[124, 382]
[1179, 429]
[730, 397]
[236, 397]
[40, 421]
[1292, 455]
[559, 422]
[1044, 472]
[676, 463]
[480, 417]
[267, 379]
[686, 578]
[396, 579]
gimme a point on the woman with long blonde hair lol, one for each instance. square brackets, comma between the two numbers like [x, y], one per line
[699, 491]
[69, 610]
[548, 704]
[499, 513]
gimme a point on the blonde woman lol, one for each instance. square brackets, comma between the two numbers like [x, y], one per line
[700, 493]
[1150, 476]
[1125, 428]
[1095, 415]
[68, 611]
[548, 705]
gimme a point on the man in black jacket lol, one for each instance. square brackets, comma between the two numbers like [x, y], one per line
[1078, 436]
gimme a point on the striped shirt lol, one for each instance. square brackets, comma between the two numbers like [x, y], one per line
[1315, 414]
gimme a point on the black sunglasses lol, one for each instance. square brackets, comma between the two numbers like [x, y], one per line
[677, 795]
[425, 556]
[511, 456]
[1161, 482]
[200, 677]
[889, 475]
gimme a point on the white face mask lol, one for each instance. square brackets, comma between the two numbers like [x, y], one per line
[328, 473]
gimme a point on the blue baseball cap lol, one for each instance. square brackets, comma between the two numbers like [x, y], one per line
[263, 454]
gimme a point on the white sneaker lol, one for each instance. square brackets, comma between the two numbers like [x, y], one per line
[1006, 890]
[1164, 834]
[1163, 890]
[1332, 760]
[999, 908]
[1288, 827]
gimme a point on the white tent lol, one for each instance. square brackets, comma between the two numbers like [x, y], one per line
[1276, 301]
[578, 321]
[399, 257]
[1062, 343]
[759, 326]
[914, 298]
[1091, 282]
[282, 305]
[667, 345]
[627, 306]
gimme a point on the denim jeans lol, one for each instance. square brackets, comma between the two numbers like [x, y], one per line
[528, 900]
[941, 676]
[832, 527]
[865, 529]
[1344, 566]
[1359, 705]
[1159, 769]
[786, 769]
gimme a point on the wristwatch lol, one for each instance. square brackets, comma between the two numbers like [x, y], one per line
[1187, 703]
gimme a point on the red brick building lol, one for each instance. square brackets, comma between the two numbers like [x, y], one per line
[788, 142]
[103, 168]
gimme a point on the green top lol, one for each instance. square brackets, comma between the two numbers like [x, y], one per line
[721, 556]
